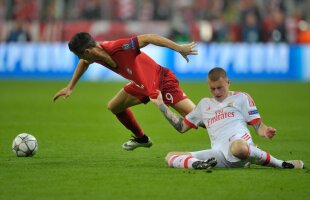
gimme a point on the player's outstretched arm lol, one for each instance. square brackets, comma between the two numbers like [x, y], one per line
[183, 49]
[264, 131]
[176, 121]
[79, 71]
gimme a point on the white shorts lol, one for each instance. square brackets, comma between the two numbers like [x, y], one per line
[222, 152]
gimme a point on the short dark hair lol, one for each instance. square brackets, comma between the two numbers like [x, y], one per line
[216, 73]
[81, 41]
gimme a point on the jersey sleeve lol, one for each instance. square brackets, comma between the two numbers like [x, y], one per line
[194, 118]
[126, 44]
[130, 44]
[249, 109]
[135, 43]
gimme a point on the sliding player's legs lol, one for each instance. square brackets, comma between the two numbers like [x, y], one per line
[244, 151]
[218, 155]
[187, 161]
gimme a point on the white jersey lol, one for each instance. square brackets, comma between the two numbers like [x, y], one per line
[225, 120]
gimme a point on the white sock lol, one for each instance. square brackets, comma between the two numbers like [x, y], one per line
[263, 158]
[181, 161]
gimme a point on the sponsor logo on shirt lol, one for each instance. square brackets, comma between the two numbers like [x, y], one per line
[253, 112]
[220, 115]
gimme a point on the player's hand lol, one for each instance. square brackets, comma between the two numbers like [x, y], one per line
[159, 98]
[65, 92]
[270, 132]
[188, 49]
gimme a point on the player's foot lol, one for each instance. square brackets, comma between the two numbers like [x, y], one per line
[133, 143]
[293, 164]
[205, 164]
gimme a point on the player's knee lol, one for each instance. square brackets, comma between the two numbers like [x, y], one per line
[111, 106]
[239, 148]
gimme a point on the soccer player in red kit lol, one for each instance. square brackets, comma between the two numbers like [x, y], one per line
[124, 57]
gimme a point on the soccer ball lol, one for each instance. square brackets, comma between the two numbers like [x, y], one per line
[25, 145]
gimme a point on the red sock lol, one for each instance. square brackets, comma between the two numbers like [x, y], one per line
[128, 120]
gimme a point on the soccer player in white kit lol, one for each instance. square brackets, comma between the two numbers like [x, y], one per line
[226, 117]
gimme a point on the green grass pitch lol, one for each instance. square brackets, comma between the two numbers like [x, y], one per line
[80, 154]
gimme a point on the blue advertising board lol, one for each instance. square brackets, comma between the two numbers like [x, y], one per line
[259, 62]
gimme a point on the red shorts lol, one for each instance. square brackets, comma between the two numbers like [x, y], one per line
[169, 86]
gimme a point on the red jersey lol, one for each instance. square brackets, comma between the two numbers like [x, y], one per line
[133, 64]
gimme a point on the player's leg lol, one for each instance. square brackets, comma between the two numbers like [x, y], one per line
[121, 101]
[218, 155]
[174, 96]
[184, 106]
[119, 105]
[188, 161]
[242, 150]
